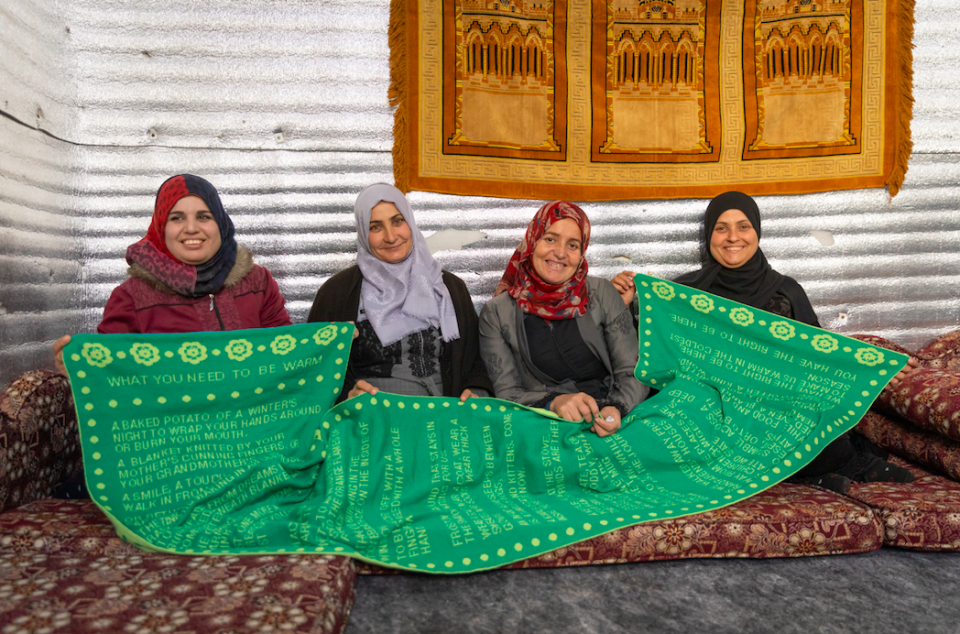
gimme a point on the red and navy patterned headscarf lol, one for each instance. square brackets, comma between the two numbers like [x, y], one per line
[151, 251]
[550, 301]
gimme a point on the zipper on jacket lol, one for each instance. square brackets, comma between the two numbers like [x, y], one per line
[213, 307]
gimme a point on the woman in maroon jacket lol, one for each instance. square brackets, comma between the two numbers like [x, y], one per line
[188, 274]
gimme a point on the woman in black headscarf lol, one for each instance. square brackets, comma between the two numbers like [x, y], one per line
[734, 267]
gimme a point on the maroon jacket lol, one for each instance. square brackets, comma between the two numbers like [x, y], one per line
[249, 298]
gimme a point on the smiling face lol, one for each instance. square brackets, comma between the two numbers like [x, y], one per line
[192, 235]
[734, 240]
[558, 252]
[390, 237]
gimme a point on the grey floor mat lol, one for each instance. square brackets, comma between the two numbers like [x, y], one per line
[895, 591]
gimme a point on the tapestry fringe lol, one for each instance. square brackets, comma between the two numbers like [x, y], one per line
[397, 94]
[904, 142]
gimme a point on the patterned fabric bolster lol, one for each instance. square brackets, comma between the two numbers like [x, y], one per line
[39, 444]
[942, 353]
[921, 515]
[929, 449]
[930, 399]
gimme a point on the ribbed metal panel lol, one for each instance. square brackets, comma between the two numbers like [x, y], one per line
[936, 88]
[139, 90]
[224, 74]
[40, 252]
[37, 66]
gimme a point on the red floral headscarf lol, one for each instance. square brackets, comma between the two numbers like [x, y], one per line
[550, 301]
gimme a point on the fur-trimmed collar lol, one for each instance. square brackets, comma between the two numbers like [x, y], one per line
[241, 268]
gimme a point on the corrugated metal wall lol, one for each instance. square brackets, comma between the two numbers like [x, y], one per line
[282, 104]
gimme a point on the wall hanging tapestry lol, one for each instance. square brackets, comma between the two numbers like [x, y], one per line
[231, 443]
[609, 99]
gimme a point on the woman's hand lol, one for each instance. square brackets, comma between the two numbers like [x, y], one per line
[912, 366]
[604, 427]
[624, 284]
[58, 346]
[468, 394]
[362, 387]
[575, 407]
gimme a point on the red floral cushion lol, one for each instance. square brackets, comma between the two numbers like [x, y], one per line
[788, 520]
[39, 445]
[149, 592]
[61, 527]
[928, 449]
[923, 514]
[942, 353]
[928, 398]
[84, 577]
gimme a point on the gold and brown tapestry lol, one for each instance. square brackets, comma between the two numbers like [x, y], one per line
[617, 99]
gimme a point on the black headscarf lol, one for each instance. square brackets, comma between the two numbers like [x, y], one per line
[754, 283]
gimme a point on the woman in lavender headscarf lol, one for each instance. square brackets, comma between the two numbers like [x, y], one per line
[416, 325]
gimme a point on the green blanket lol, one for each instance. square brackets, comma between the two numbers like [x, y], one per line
[227, 442]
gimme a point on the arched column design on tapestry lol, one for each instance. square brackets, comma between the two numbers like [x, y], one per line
[805, 57]
[659, 65]
[473, 50]
[774, 56]
[632, 56]
[514, 46]
[636, 64]
[627, 63]
[789, 64]
[834, 38]
[645, 56]
[686, 61]
[534, 54]
[672, 62]
[506, 68]
[797, 53]
[480, 48]
[504, 55]
[494, 56]
[667, 61]
[834, 57]
[815, 40]
[522, 59]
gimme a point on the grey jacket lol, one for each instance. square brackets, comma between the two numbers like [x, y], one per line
[606, 328]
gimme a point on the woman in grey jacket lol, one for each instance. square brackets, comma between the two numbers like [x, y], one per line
[554, 338]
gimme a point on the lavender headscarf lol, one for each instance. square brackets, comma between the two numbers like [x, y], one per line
[408, 296]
